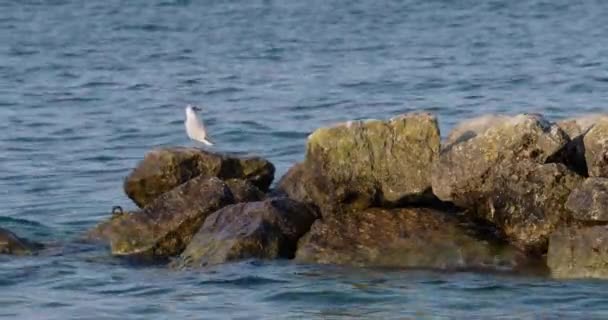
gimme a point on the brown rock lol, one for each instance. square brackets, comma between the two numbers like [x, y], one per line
[596, 149]
[164, 227]
[267, 229]
[164, 169]
[579, 252]
[589, 202]
[413, 237]
[12, 244]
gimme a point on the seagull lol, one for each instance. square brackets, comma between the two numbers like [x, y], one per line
[194, 126]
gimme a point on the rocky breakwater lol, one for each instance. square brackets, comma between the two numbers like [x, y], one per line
[10, 243]
[500, 193]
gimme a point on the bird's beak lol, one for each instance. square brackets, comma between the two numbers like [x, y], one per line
[196, 108]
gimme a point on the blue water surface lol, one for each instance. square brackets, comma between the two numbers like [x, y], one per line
[87, 87]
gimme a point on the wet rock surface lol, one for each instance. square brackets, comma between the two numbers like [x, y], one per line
[164, 227]
[164, 169]
[10, 243]
[265, 230]
[414, 237]
[579, 252]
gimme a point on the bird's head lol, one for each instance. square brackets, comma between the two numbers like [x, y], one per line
[192, 108]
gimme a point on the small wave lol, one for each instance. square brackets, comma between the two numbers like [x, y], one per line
[247, 281]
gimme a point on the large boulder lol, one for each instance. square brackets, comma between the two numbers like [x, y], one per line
[589, 202]
[465, 169]
[165, 226]
[296, 184]
[414, 237]
[596, 149]
[579, 252]
[10, 243]
[527, 202]
[359, 164]
[244, 191]
[471, 128]
[576, 129]
[164, 169]
[266, 230]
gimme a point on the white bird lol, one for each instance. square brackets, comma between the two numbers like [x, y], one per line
[194, 126]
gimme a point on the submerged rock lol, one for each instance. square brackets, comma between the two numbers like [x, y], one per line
[359, 164]
[165, 227]
[589, 202]
[266, 230]
[164, 169]
[596, 149]
[527, 201]
[579, 252]
[10, 243]
[414, 237]
[465, 169]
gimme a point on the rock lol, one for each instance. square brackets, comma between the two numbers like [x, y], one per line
[359, 164]
[414, 237]
[471, 128]
[244, 191]
[465, 169]
[579, 252]
[266, 230]
[596, 149]
[527, 201]
[12, 244]
[589, 202]
[576, 129]
[164, 227]
[166, 168]
[295, 183]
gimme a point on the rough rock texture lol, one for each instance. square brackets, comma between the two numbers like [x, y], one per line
[415, 237]
[356, 165]
[244, 191]
[295, 183]
[12, 244]
[164, 169]
[579, 252]
[473, 127]
[596, 149]
[267, 229]
[527, 202]
[466, 169]
[164, 227]
[576, 129]
[589, 202]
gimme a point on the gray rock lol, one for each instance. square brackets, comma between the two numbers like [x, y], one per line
[267, 229]
[295, 184]
[164, 227]
[596, 149]
[164, 169]
[589, 202]
[244, 191]
[579, 252]
[465, 169]
[415, 237]
[527, 201]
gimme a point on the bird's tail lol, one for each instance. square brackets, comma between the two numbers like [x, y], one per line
[207, 142]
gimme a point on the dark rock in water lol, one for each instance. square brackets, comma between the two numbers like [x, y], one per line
[527, 201]
[466, 168]
[360, 164]
[579, 252]
[244, 191]
[589, 202]
[12, 244]
[576, 129]
[266, 230]
[415, 237]
[165, 227]
[164, 169]
[596, 149]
